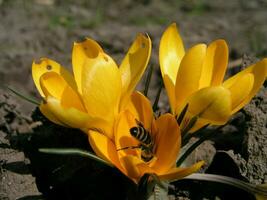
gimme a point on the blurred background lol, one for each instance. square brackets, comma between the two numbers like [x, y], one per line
[30, 29]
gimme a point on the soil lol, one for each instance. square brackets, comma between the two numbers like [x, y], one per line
[30, 29]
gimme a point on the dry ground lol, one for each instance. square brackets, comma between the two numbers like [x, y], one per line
[30, 29]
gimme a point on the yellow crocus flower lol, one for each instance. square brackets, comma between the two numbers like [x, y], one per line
[97, 91]
[125, 153]
[196, 77]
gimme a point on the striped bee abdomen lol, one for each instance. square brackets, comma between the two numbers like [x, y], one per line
[141, 134]
[146, 141]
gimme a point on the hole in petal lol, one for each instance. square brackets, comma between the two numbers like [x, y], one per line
[143, 45]
[49, 67]
[106, 58]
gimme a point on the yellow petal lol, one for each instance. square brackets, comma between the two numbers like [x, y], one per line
[215, 64]
[46, 65]
[168, 143]
[170, 89]
[179, 173]
[135, 167]
[104, 148]
[81, 51]
[258, 71]
[101, 87]
[240, 90]
[54, 85]
[134, 65]
[123, 138]
[49, 115]
[141, 108]
[189, 73]
[171, 52]
[75, 118]
[212, 104]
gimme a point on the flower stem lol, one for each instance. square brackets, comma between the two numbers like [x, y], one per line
[196, 144]
[29, 99]
[148, 79]
[253, 189]
[74, 151]
[156, 102]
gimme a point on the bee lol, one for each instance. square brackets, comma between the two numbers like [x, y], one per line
[146, 141]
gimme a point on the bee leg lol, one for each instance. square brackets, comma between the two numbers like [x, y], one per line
[139, 123]
[124, 148]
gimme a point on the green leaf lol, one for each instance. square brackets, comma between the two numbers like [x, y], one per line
[29, 99]
[148, 79]
[259, 190]
[182, 114]
[72, 151]
[190, 125]
[203, 138]
[188, 136]
[147, 184]
[156, 102]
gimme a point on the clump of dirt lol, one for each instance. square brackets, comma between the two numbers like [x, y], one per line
[255, 149]
[245, 139]
[54, 175]
[238, 150]
[25, 172]
[16, 180]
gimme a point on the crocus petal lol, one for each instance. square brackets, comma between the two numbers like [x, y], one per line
[123, 139]
[46, 65]
[104, 148]
[240, 90]
[171, 52]
[179, 173]
[215, 64]
[54, 85]
[49, 115]
[81, 51]
[73, 117]
[170, 89]
[134, 65]
[135, 167]
[168, 143]
[212, 104]
[101, 87]
[189, 73]
[259, 71]
[140, 107]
